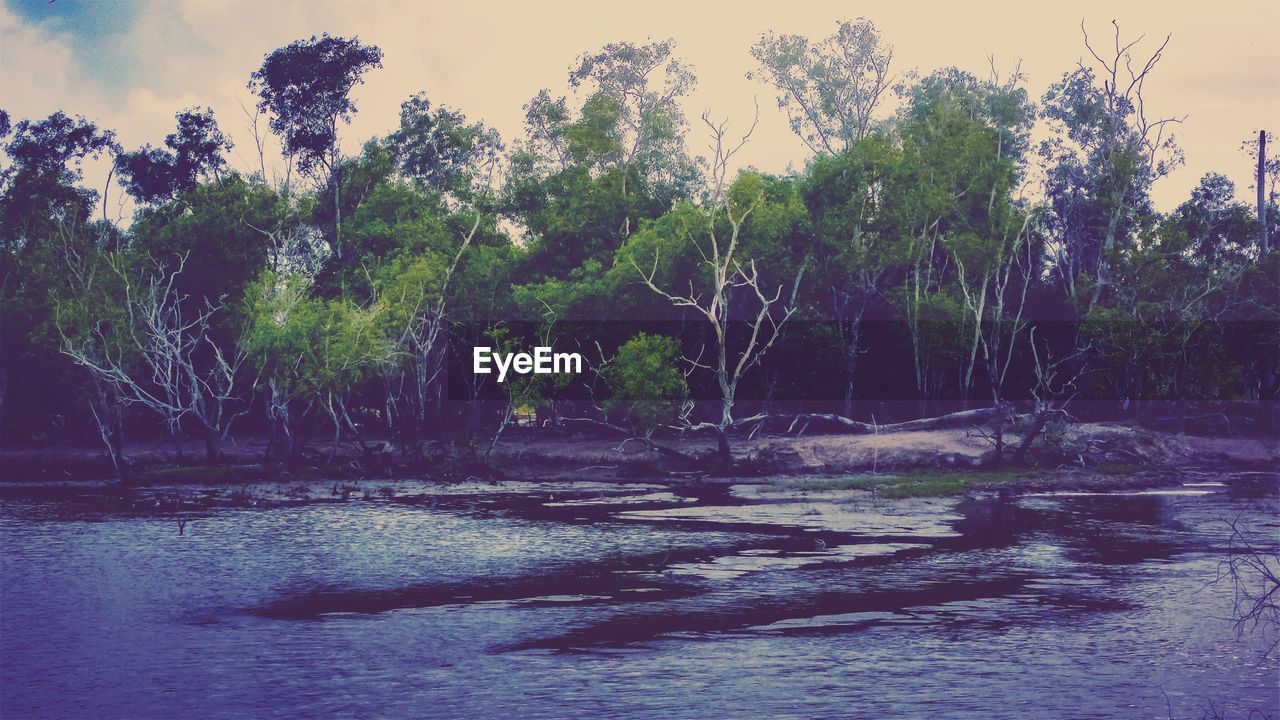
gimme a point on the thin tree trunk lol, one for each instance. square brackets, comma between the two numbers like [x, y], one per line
[1265, 243]
[212, 446]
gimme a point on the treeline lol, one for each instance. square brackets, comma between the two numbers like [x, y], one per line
[933, 255]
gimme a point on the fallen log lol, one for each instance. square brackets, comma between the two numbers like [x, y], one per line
[628, 435]
[598, 424]
[964, 418]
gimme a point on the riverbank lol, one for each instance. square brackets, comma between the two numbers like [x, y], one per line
[1092, 457]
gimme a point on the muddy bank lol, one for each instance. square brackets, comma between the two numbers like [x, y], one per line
[171, 478]
[545, 456]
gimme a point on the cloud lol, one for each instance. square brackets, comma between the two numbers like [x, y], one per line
[1221, 69]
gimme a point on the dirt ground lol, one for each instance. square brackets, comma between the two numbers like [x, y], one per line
[569, 456]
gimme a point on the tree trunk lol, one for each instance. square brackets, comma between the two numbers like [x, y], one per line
[1042, 419]
[337, 208]
[212, 446]
[723, 454]
[962, 419]
[1265, 243]
[851, 363]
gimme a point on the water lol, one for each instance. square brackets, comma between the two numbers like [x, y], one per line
[533, 601]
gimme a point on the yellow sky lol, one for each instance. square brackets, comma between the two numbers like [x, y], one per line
[1221, 69]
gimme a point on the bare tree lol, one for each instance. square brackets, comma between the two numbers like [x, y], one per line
[1127, 143]
[1255, 581]
[1057, 384]
[84, 269]
[180, 371]
[727, 275]
[1266, 178]
[1265, 244]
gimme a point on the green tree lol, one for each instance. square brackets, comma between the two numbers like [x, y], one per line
[440, 149]
[856, 213]
[830, 88]
[194, 153]
[42, 204]
[646, 384]
[306, 88]
[1102, 158]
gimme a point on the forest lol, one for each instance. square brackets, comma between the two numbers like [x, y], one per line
[951, 244]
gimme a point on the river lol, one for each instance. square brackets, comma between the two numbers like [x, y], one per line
[595, 600]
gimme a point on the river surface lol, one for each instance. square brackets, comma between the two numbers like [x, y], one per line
[526, 600]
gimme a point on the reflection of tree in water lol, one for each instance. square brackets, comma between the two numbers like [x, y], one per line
[1255, 580]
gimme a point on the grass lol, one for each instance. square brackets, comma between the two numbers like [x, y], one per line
[932, 483]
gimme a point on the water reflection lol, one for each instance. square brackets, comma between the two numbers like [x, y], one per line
[541, 601]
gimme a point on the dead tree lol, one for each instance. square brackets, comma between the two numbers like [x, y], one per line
[1128, 130]
[1265, 241]
[728, 274]
[1254, 573]
[179, 370]
[1057, 384]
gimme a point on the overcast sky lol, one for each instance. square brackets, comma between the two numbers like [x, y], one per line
[131, 64]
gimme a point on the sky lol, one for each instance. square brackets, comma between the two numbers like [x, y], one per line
[130, 65]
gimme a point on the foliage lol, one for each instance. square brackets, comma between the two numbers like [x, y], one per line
[829, 89]
[194, 151]
[647, 387]
[904, 269]
[439, 149]
[306, 87]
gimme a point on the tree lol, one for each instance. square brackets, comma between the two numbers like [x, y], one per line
[647, 388]
[415, 297]
[850, 198]
[277, 338]
[635, 105]
[218, 227]
[1219, 230]
[1265, 180]
[41, 204]
[966, 238]
[829, 89]
[194, 152]
[1103, 157]
[715, 232]
[86, 309]
[306, 87]
[311, 352]
[520, 391]
[46, 159]
[440, 150]
[180, 371]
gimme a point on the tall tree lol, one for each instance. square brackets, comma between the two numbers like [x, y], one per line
[725, 272]
[855, 210]
[440, 149]
[42, 201]
[830, 89]
[1103, 156]
[306, 87]
[1265, 180]
[633, 101]
[194, 153]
